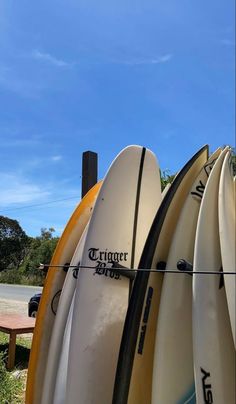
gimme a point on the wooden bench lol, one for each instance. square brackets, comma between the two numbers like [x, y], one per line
[14, 324]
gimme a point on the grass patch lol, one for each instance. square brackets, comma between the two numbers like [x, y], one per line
[12, 385]
[11, 388]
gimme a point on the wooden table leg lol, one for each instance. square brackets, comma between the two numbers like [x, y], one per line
[11, 351]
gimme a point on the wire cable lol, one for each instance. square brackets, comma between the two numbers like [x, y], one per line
[148, 270]
[39, 204]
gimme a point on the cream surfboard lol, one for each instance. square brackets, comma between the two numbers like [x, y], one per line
[56, 342]
[133, 382]
[227, 226]
[123, 214]
[173, 344]
[61, 373]
[164, 192]
[213, 347]
[59, 396]
[49, 300]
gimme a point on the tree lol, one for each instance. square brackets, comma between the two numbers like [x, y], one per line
[13, 243]
[41, 251]
[166, 179]
[46, 234]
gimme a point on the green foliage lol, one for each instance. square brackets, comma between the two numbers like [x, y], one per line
[166, 178]
[46, 234]
[13, 243]
[20, 255]
[41, 251]
[10, 276]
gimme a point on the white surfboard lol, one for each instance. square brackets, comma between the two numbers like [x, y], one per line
[213, 347]
[62, 371]
[133, 382]
[227, 226]
[56, 342]
[51, 292]
[122, 216]
[165, 190]
[173, 346]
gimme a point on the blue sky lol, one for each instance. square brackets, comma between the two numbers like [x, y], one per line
[82, 75]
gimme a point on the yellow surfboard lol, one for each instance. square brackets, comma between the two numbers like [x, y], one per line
[51, 292]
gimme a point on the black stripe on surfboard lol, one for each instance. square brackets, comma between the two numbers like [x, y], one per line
[137, 206]
[134, 313]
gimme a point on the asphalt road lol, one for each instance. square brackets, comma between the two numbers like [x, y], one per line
[18, 292]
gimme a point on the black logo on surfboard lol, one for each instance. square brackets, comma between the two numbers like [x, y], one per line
[199, 191]
[76, 271]
[105, 259]
[200, 188]
[206, 387]
[208, 167]
[145, 320]
[55, 301]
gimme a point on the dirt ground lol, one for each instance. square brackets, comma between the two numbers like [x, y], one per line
[13, 306]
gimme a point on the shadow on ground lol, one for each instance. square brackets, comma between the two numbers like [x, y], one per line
[21, 357]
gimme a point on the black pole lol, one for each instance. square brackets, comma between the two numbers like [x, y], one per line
[89, 171]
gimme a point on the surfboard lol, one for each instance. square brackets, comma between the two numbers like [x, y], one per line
[56, 341]
[123, 214]
[173, 343]
[59, 396]
[51, 292]
[227, 226]
[133, 383]
[213, 347]
[164, 192]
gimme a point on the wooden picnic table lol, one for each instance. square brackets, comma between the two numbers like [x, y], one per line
[14, 324]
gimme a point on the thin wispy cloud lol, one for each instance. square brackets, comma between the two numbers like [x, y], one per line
[56, 158]
[16, 190]
[36, 205]
[46, 57]
[164, 58]
[17, 143]
[155, 61]
[42, 161]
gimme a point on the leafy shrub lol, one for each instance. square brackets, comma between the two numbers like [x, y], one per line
[11, 276]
